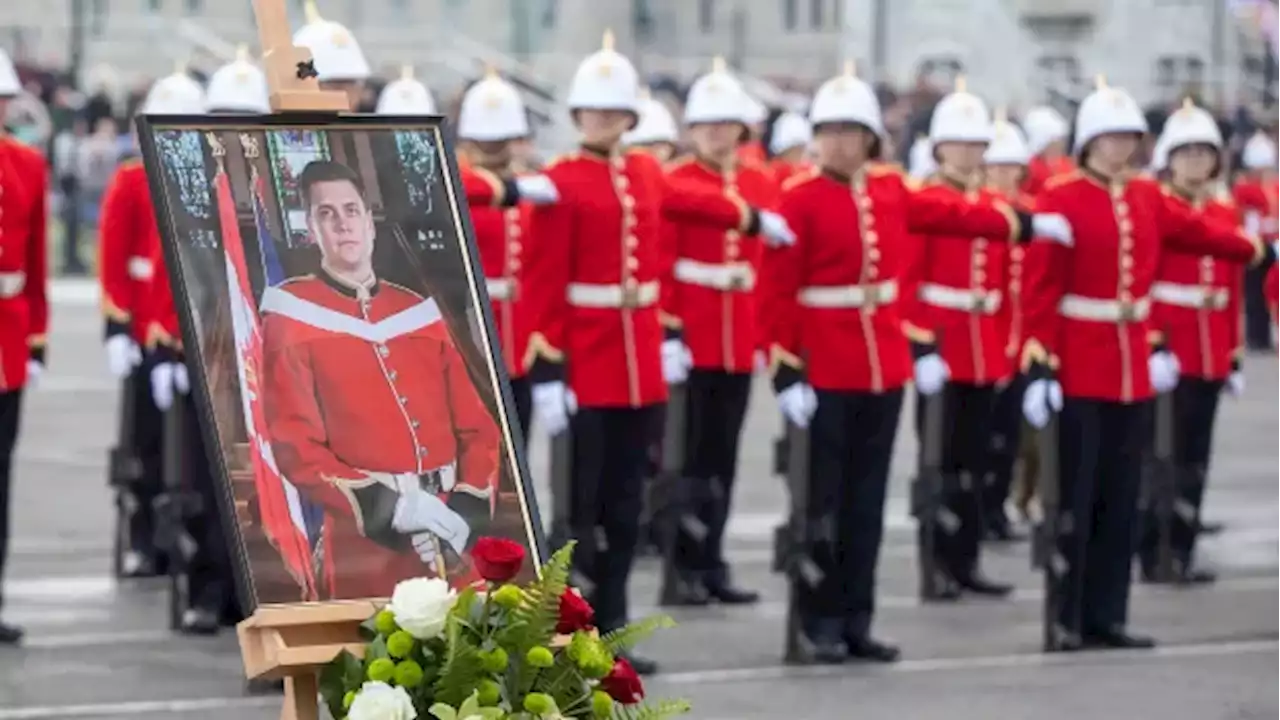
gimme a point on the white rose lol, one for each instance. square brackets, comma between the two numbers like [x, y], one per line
[380, 701]
[421, 606]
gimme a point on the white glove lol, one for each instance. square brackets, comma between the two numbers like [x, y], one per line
[1235, 383]
[181, 381]
[162, 384]
[35, 371]
[676, 361]
[426, 545]
[420, 512]
[1253, 222]
[775, 230]
[931, 374]
[798, 403]
[553, 403]
[1052, 226]
[762, 361]
[1042, 398]
[1164, 371]
[123, 355]
[537, 189]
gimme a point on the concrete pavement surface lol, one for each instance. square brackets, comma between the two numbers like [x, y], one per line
[99, 649]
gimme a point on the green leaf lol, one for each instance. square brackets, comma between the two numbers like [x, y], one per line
[626, 638]
[369, 628]
[443, 712]
[333, 682]
[462, 670]
[377, 648]
[352, 670]
[656, 710]
[538, 615]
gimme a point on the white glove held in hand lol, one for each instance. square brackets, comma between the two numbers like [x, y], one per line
[775, 230]
[418, 512]
[1053, 227]
[1042, 398]
[553, 403]
[1164, 371]
[676, 361]
[123, 355]
[798, 403]
[931, 373]
[537, 189]
[1235, 383]
[181, 382]
[35, 371]
[162, 384]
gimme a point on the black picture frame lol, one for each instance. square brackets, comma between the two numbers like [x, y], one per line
[182, 265]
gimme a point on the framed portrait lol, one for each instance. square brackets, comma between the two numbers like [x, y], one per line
[341, 349]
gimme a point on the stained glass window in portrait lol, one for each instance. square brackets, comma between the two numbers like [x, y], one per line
[289, 151]
[186, 165]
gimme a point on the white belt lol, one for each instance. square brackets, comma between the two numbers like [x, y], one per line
[446, 475]
[849, 296]
[729, 277]
[11, 284]
[499, 288]
[140, 268]
[985, 302]
[1196, 297]
[587, 295]
[1078, 307]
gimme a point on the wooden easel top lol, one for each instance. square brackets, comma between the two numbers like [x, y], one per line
[290, 70]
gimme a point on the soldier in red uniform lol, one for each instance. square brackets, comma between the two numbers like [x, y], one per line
[129, 252]
[1257, 193]
[1195, 313]
[953, 296]
[839, 358]
[789, 140]
[24, 307]
[403, 472]
[492, 117]
[1087, 322]
[593, 271]
[1047, 134]
[1005, 169]
[655, 132]
[709, 303]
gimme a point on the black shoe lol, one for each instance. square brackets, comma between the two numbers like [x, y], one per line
[727, 594]
[10, 634]
[687, 592]
[1002, 531]
[642, 665]
[1117, 639]
[199, 621]
[1196, 576]
[977, 584]
[1210, 528]
[1065, 642]
[946, 589]
[865, 648]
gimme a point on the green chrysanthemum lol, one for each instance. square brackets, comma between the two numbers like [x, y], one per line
[382, 670]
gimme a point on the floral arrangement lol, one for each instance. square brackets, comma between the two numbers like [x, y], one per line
[495, 651]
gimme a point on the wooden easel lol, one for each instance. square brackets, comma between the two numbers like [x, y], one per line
[293, 643]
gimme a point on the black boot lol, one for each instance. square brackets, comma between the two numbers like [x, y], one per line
[200, 621]
[10, 634]
[825, 640]
[688, 591]
[1117, 638]
[978, 584]
[721, 589]
[868, 649]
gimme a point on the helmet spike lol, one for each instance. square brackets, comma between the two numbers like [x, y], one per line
[1001, 115]
[607, 42]
[242, 53]
[311, 12]
[645, 93]
[406, 72]
[180, 67]
[718, 64]
[962, 84]
[1188, 103]
[490, 72]
[1100, 81]
[850, 68]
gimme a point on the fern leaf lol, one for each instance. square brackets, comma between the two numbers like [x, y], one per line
[540, 612]
[657, 710]
[626, 638]
[462, 670]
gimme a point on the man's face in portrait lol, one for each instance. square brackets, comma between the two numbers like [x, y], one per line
[341, 225]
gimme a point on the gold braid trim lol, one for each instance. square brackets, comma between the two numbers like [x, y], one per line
[37, 341]
[157, 336]
[1155, 337]
[779, 356]
[1033, 352]
[114, 312]
[499, 189]
[669, 321]
[744, 211]
[539, 347]
[1015, 227]
[918, 334]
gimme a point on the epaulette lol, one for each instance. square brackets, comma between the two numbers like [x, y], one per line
[799, 179]
[1062, 179]
[400, 287]
[562, 158]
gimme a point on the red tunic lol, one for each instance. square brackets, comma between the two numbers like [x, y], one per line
[501, 234]
[1040, 170]
[1271, 291]
[24, 277]
[829, 303]
[1087, 306]
[752, 154]
[358, 390]
[1253, 195]
[954, 293]
[711, 293]
[128, 243]
[1196, 301]
[784, 171]
[594, 266]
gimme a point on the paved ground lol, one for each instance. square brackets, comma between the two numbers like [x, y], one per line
[100, 650]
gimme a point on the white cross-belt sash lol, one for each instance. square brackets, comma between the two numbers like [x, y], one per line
[407, 321]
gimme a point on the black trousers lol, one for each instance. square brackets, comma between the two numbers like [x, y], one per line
[1006, 431]
[10, 415]
[522, 391]
[209, 579]
[966, 438]
[1100, 451]
[850, 444]
[609, 455]
[148, 444]
[1257, 318]
[717, 406]
[1195, 411]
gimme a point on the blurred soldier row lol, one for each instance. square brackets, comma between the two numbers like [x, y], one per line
[636, 286]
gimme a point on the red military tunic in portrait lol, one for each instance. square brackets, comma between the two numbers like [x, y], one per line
[501, 234]
[710, 294]
[829, 304]
[1196, 300]
[954, 292]
[1088, 306]
[24, 280]
[594, 266]
[359, 386]
[128, 245]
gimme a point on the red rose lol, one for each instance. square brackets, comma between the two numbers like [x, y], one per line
[497, 559]
[575, 613]
[623, 684]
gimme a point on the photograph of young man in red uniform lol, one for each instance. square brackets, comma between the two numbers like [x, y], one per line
[369, 407]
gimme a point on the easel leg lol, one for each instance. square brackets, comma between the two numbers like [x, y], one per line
[300, 693]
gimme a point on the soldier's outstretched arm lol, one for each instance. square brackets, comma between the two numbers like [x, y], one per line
[1189, 231]
[934, 214]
